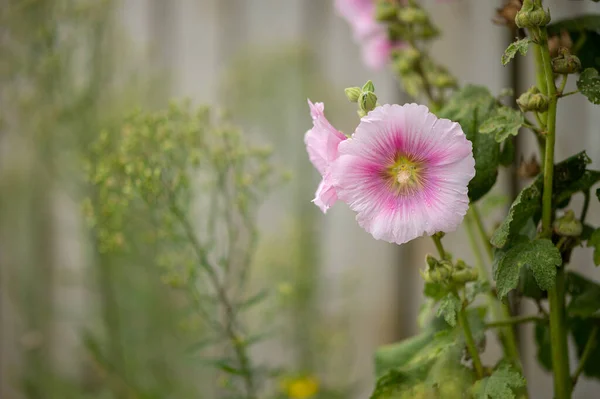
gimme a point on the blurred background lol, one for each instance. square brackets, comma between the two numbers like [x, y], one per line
[76, 324]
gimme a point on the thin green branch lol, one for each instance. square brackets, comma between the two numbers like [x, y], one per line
[438, 244]
[516, 320]
[587, 351]
[586, 204]
[568, 93]
[563, 83]
[471, 347]
[482, 232]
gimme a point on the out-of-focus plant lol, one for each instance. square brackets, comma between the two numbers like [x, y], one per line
[315, 344]
[386, 171]
[192, 184]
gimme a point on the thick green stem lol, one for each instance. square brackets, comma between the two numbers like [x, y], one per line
[472, 348]
[587, 351]
[558, 337]
[556, 295]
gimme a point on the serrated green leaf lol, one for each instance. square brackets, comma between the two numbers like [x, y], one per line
[520, 45]
[528, 203]
[504, 123]
[584, 31]
[450, 305]
[540, 255]
[594, 241]
[499, 385]
[401, 353]
[589, 85]
[469, 107]
[585, 296]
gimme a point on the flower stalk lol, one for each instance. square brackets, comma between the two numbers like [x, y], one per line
[556, 295]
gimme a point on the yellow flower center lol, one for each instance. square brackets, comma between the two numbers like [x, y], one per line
[405, 175]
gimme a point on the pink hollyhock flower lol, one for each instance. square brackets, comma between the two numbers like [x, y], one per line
[368, 32]
[322, 143]
[405, 172]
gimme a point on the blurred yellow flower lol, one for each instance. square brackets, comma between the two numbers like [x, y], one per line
[301, 387]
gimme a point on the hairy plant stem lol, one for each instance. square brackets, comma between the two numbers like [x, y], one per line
[464, 323]
[587, 351]
[556, 295]
[499, 310]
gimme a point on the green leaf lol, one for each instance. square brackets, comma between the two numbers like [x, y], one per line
[583, 184]
[541, 256]
[589, 85]
[521, 46]
[434, 291]
[585, 34]
[469, 107]
[476, 288]
[585, 296]
[528, 203]
[450, 305]
[499, 385]
[504, 123]
[525, 206]
[581, 330]
[507, 154]
[398, 384]
[594, 241]
[401, 353]
[543, 342]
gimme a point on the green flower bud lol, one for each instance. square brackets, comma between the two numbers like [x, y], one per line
[367, 101]
[568, 225]
[368, 87]
[443, 80]
[412, 15]
[465, 275]
[431, 261]
[565, 63]
[353, 93]
[532, 15]
[533, 100]
[425, 275]
[385, 11]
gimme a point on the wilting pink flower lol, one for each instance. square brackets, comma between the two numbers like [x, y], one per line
[322, 143]
[368, 32]
[405, 172]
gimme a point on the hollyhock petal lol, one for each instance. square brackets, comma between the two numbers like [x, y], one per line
[326, 194]
[322, 143]
[405, 172]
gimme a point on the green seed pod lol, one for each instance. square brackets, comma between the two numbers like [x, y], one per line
[412, 15]
[531, 16]
[533, 100]
[568, 225]
[353, 93]
[385, 11]
[565, 63]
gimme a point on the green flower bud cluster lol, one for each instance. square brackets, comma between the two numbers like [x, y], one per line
[533, 100]
[446, 273]
[532, 15]
[565, 63]
[365, 97]
[567, 225]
